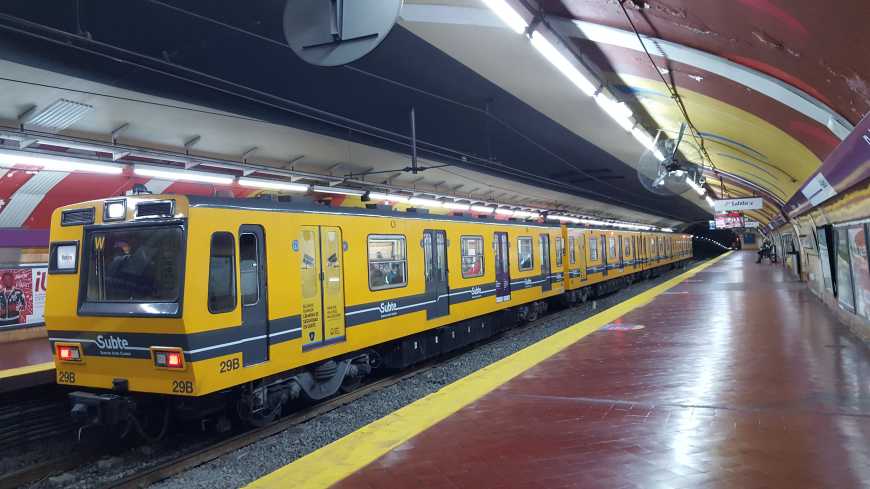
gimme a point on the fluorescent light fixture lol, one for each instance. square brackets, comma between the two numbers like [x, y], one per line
[658, 154]
[456, 206]
[668, 230]
[273, 185]
[421, 202]
[9, 158]
[694, 185]
[482, 209]
[337, 190]
[388, 197]
[507, 15]
[504, 212]
[710, 202]
[617, 111]
[183, 175]
[58, 116]
[561, 218]
[561, 63]
[526, 215]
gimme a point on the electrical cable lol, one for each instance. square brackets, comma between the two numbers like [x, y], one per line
[321, 116]
[699, 140]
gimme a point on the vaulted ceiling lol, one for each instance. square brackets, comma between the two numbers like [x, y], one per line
[767, 83]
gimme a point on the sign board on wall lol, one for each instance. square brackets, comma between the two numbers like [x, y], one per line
[22, 297]
[818, 190]
[751, 203]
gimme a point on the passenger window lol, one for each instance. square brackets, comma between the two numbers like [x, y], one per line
[524, 251]
[472, 256]
[627, 246]
[222, 273]
[572, 252]
[560, 250]
[388, 264]
[249, 269]
[593, 248]
[611, 248]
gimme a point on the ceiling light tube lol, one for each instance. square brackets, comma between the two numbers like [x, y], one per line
[182, 175]
[421, 202]
[388, 197]
[456, 206]
[482, 209]
[273, 185]
[710, 202]
[10, 158]
[561, 63]
[504, 212]
[337, 190]
[507, 15]
[617, 111]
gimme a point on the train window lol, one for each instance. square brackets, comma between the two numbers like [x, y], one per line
[593, 248]
[472, 256]
[388, 264]
[611, 248]
[524, 252]
[572, 251]
[134, 264]
[222, 273]
[560, 250]
[627, 246]
[249, 269]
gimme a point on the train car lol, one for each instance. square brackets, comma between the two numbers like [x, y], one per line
[197, 303]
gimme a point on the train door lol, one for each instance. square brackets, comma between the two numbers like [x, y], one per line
[621, 253]
[321, 261]
[252, 271]
[581, 253]
[501, 250]
[545, 262]
[634, 251]
[604, 249]
[435, 268]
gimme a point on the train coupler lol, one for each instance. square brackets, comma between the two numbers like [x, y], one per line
[99, 409]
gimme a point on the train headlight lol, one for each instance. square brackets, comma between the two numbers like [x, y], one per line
[114, 210]
[69, 353]
[169, 358]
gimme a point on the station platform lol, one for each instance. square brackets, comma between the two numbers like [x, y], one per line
[25, 363]
[729, 375]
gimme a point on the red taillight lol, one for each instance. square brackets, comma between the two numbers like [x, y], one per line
[168, 358]
[69, 353]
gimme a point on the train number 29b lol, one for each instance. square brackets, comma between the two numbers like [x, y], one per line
[66, 377]
[230, 365]
[182, 386]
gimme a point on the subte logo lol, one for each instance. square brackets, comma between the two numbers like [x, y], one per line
[388, 308]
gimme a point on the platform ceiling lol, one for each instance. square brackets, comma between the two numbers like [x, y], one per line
[485, 101]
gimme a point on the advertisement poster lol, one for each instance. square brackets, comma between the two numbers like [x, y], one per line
[729, 220]
[860, 270]
[22, 296]
[844, 272]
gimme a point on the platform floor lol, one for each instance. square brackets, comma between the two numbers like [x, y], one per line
[739, 378]
[25, 363]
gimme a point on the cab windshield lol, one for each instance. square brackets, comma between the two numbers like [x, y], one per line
[138, 264]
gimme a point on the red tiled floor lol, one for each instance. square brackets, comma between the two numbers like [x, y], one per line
[746, 381]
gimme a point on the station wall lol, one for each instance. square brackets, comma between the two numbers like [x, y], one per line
[828, 248]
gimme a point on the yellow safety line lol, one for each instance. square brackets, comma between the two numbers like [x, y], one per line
[341, 458]
[30, 369]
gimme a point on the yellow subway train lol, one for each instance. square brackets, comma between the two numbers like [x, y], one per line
[202, 303]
